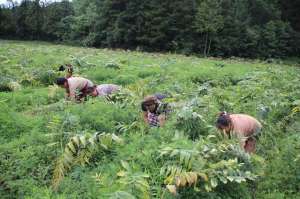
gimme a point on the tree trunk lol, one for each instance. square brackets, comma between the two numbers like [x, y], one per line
[205, 47]
[208, 50]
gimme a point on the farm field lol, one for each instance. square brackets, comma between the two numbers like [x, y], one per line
[53, 148]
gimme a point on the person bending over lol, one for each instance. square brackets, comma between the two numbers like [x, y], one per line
[154, 111]
[76, 87]
[245, 127]
[103, 90]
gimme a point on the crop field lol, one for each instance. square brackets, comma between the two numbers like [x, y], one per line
[54, 148]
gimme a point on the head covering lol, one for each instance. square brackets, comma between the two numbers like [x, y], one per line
[149, 100]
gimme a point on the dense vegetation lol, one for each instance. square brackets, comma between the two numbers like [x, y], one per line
[249, 28]
[51, 148]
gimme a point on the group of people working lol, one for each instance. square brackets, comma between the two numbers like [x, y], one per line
[78, 88]
[246, 128]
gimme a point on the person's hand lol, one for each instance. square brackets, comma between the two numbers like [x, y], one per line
[225, 134]
[162, 120]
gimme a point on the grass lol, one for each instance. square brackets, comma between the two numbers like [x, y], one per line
[36, 122]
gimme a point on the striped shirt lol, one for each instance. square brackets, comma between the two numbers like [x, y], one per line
[163, 108]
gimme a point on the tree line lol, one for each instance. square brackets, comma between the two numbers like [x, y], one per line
[243, 28]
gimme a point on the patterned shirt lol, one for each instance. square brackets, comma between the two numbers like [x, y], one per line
[153, 119]
[162, 108]
[106, 89]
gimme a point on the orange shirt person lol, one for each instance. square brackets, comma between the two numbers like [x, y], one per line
[244, 127]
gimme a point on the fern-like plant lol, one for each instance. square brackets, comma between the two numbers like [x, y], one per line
[191, 122]
[79, 151]
[135, 181]
[204, 167]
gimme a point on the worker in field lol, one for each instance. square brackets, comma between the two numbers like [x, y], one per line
[68, 68]
[76, 87]
[103, 90]
[154, 110]
[246, 128]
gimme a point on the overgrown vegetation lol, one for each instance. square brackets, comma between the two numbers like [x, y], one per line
[52, 148]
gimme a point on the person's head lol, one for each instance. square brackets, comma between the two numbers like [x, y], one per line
[61, 81]
[149, 104]
[61, 68]
[92, 91]
[224, 122]
[69, 68]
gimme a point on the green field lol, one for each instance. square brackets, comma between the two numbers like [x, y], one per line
[49, 147]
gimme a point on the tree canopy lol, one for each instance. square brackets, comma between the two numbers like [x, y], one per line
[251, 28]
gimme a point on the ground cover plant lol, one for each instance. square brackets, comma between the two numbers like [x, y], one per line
[52, 148]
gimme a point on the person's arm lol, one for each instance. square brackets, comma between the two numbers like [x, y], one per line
[72, 92]
[162, 119]
[227, 134]
[145, 117]
[67, 96]
[224, 133]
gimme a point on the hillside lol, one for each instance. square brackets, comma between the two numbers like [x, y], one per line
[52, 148]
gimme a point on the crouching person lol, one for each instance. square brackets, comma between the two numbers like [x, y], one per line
[154, 111]
[246, 128]
[76, 87]
[103, 90]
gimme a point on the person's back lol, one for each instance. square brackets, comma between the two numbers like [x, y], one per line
[106, 89]
[76, 84]
[244, 125]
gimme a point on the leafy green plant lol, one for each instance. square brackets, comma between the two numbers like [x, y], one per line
[36, 125]
[112, 65]
[191, 122]
[134, 181]
[78, 151]
[121, 195]
[203, 167]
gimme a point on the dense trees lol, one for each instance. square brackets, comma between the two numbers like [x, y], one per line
[251, 28]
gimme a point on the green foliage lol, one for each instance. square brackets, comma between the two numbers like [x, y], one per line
[191, 122]
[203, 167]
[282, 170]
[187, 155]
[134, 181]
[101, 115]
[12, 124]
[79, 151]
[112, 65]
[257, 28]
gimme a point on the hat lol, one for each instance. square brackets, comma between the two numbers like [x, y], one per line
[149, 100]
